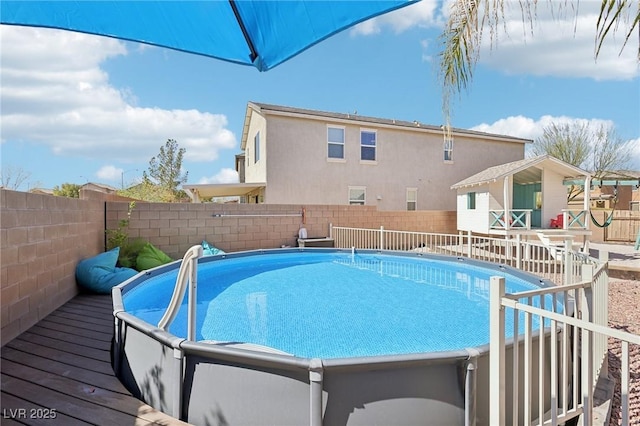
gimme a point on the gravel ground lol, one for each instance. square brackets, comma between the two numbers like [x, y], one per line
[624, 314]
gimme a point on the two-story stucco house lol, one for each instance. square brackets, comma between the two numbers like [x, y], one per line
[301, 156]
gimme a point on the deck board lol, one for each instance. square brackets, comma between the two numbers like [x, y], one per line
[63, 364]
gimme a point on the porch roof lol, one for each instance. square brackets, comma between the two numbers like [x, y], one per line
[528, 170]
[207, 190]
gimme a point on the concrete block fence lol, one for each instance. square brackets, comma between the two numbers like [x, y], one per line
[43, 237]
[173, 228]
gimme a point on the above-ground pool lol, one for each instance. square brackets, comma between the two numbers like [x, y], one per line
[315, 336]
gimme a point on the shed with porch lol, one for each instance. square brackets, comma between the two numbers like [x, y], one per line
[522, 197]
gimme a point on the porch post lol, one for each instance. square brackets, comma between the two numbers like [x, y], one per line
[507, 203]
[518, 251]
[587, 202]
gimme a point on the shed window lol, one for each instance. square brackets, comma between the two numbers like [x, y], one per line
[471, 200]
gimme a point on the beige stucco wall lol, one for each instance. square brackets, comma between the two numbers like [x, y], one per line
[256, 171]
[298, 169]
[42, 238]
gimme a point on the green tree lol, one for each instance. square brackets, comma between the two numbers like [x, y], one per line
[149, 191]
[598, 150]
[70, 190]
[165, 170]
[462, 35]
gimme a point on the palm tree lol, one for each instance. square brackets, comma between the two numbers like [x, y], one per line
[463, 33]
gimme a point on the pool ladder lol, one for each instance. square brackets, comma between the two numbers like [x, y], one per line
[188, 273]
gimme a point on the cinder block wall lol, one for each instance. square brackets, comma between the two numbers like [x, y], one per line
[173, 228]
[42, 238]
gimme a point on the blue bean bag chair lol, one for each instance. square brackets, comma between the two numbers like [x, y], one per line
[209, 250]
[99, 274]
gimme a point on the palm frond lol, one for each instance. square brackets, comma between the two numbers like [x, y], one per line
[612, 13]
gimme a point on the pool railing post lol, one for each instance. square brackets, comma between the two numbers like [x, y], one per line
[497, 356]
[193, 292]
[381, 237]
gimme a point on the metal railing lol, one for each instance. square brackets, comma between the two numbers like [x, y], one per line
[187, 275]
[579, 332]
[578, 347]
[528, 256]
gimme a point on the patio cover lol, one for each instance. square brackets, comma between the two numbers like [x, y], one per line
[199, 191]
[249, 32]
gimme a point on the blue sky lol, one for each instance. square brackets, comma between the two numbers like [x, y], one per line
[80, 108]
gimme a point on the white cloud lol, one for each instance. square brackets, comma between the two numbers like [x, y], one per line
[225, 175]
[55, 93]
[529, 128]
[560, 43]
[110, 173]
[420, 14]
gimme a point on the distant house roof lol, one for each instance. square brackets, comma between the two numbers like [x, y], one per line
[102, 187]
[46, 191]
[335, 116]
[501, 171]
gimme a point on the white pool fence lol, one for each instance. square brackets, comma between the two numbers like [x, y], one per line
[580, 323]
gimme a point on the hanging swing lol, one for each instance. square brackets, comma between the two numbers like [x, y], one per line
[606, 223]
[609, 218]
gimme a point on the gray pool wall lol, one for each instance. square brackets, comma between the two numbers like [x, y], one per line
[207, 384]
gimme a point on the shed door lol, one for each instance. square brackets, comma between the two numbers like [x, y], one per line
[529, 197]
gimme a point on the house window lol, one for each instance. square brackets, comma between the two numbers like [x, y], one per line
[471, 200]
[412, 198]
[357, 195]
[335, 142]
[634, 206]
[256, 148]
[368, 145]
[448, 149]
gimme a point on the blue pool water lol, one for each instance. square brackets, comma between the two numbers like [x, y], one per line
[332, 304]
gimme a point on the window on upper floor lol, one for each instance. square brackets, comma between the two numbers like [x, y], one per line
[471, 200]
[412, 198]
[256, 148]
[448, 149]
[368, 145]
[357, 195]
[335, 142]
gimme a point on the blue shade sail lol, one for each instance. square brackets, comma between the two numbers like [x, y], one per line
[249, 32]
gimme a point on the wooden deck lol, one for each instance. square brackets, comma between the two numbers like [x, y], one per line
[59, 372]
